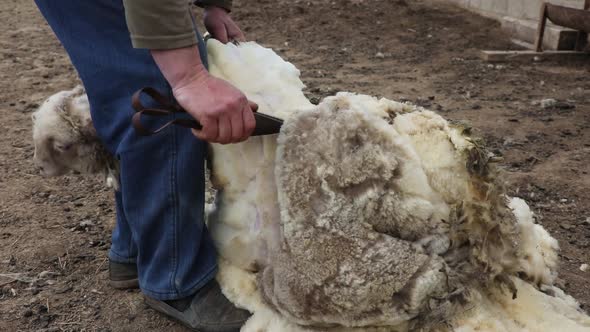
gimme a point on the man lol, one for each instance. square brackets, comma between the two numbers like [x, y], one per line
[160, 241]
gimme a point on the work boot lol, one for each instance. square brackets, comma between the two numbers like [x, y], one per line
[123, 276]
[208, 310]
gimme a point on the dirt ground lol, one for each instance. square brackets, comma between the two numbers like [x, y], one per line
[417, 50]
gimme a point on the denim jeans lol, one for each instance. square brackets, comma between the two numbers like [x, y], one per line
[160, 205]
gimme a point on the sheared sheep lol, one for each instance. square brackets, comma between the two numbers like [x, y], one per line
[65, 139]
[371, 215]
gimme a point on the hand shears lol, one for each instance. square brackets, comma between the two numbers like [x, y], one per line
[265, 124]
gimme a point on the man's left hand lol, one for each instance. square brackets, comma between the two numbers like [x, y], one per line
[221, 26]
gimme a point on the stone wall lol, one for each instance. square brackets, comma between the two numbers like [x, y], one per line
[520, 18]
[519, 9]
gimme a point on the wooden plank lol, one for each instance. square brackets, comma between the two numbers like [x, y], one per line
[582, 37]
[501, 56]
[541, 28]
[577, 19]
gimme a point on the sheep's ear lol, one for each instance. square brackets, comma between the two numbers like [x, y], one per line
[87, 127]
[80, 112]
[78, 90]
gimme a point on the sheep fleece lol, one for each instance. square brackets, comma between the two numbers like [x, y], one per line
[336, 172]
[367, 214]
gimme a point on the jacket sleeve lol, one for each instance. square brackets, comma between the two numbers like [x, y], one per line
[226, 4]
[164, 24]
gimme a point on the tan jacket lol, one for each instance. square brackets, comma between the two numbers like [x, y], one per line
[164, 24]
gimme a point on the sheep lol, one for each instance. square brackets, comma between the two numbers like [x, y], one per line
[65, 139]
[366, 214]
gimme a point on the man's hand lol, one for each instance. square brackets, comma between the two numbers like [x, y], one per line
[224, 111]
[221, 26]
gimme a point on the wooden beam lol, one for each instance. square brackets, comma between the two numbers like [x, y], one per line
[582, 36]
[577, 19]
[502, 56]
[541, 28]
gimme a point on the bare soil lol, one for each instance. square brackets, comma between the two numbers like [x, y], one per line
[421, 51]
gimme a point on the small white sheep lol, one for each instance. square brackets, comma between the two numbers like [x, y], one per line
[65, 139]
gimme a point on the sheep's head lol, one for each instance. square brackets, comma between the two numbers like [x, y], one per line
[64, 135]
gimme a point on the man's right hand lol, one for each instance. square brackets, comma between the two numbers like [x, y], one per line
[224, 111]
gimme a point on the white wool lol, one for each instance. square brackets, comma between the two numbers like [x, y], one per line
[240, 287]
[241, 66]
[531, 311]
[541, 250]
[246, 223]
[429, 135]
[245, 171]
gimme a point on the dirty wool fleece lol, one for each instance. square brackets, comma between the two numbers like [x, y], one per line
[367, 214]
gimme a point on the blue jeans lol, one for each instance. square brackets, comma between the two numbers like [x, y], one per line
[160, 206]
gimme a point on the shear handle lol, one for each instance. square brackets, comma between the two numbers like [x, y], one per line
[155, 96]
[168, 109]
